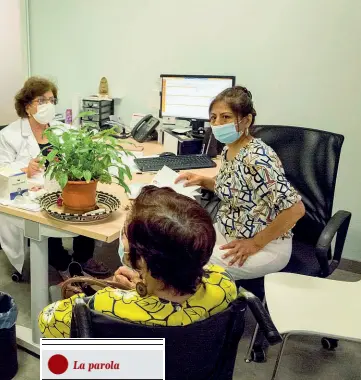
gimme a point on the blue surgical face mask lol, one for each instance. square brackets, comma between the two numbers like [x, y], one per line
[226, 133]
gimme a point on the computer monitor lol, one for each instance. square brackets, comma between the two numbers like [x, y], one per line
[189, 96]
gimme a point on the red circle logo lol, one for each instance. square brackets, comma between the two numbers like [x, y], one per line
[58, 364]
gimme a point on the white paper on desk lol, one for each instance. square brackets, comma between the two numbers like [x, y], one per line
[24, 206]
[135, 189]
[166, 178]
[40, 181]
[37, 180]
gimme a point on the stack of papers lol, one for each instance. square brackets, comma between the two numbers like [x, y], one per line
[166, 178]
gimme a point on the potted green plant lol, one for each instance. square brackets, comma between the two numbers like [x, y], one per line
[80, 158]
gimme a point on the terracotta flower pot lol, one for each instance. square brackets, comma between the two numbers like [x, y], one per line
[80, 196]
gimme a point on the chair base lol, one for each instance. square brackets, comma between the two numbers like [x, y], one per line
[329, 344]
[17, 277]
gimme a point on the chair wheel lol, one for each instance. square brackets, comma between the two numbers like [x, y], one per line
[329, 344]
[17, 277]
[258, 355]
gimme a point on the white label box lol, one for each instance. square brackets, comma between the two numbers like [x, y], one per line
[132, 359]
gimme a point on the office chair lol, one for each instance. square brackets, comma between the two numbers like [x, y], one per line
[202, 350]
[310, 158]
[313, 306]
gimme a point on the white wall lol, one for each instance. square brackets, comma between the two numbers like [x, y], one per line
[300, 58]
[13, 61]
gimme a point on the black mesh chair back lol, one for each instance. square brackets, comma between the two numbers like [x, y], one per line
[310, 158]
[203, 350]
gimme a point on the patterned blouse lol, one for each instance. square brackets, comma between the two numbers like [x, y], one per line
[214, 295]
[253, 190]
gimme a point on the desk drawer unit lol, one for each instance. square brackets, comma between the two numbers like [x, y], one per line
[99, 111]
[102, 109]
[97, 103]
[97, 118]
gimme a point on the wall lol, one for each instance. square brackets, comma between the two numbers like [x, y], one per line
[300, 58]
[13, 62]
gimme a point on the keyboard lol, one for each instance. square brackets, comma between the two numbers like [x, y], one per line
[183, 162]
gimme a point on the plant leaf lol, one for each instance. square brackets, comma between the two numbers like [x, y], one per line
[84, 114]
[121, 173]
[62, 178]
[49, 171]
[87, 175]
[124, 185]
[105, 178]
[50, 157]
[77, 173]
[54, 139]
[127, 170]
[66, 136]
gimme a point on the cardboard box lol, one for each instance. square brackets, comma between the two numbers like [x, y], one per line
[12, 183]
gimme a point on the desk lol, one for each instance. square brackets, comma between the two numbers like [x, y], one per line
[38, 227]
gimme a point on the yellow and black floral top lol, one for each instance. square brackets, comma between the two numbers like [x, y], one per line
[216, 292]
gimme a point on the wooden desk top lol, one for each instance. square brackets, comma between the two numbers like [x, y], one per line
[107, 230]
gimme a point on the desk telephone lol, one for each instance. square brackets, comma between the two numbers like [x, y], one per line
[145, 129]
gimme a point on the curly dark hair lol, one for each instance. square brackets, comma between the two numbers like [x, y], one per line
[33, 87]
[239, 100]
[173, 234]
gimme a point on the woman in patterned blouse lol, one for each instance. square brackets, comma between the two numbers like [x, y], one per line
[170, 239]
[259, 206]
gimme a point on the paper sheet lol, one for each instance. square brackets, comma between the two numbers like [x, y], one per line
[30, 206]
[37, 180]
[135, 189]
[166, 178]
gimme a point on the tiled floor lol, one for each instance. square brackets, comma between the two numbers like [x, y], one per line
[303, 359]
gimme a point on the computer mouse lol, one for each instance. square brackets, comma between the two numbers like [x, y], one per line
[165, 154]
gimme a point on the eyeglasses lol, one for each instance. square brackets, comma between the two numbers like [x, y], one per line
[43, 100]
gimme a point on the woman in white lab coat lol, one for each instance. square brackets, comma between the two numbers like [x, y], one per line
[20, 144]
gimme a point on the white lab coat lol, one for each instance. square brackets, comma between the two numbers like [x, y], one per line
[17, 147]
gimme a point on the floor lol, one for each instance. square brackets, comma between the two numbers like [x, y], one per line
[304, 358]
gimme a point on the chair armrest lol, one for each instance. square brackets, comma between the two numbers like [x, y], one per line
[81, 320]
[338, 224]
[262, 317]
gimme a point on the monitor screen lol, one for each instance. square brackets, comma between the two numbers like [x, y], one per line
[189, 96]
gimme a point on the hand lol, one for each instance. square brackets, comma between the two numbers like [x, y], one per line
[33, 167]
[127, 277]
[240, 250]
[190, 179]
